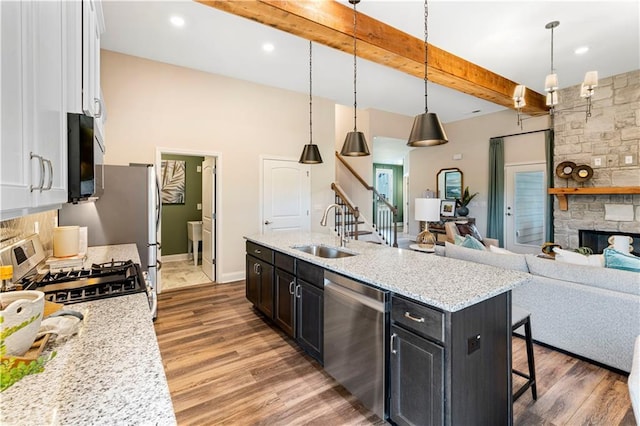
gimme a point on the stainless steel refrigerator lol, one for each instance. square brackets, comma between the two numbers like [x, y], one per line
[127, 212]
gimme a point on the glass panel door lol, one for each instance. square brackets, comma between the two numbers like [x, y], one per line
[525, 208]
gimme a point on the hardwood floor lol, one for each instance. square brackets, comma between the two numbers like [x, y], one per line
[226, 365]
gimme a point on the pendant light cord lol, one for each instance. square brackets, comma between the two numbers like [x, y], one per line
[310, 95]
[426, 49]
[552, 69]
[355, 68]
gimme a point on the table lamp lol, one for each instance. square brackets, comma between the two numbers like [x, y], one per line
[427, 210]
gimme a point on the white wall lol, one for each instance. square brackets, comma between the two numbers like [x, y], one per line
[151, 104]
[471, 139]
[373, 123]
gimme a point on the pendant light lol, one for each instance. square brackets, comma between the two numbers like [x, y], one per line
[310, 152]
[427, 129]
[355, 145]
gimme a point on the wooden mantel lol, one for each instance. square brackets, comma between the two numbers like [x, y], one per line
[562, 193]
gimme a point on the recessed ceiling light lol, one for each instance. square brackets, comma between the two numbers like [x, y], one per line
[177, 21]
[581, 50]
[268, 47]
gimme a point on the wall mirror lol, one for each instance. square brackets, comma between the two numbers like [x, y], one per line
[449, 183]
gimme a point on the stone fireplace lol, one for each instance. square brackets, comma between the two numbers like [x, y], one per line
[609, 142]
[599, 240]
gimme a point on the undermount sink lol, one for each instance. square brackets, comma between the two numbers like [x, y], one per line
[327, 252]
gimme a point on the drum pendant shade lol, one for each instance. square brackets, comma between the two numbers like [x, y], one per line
[310, 154]
[355, 145]
[427, 131]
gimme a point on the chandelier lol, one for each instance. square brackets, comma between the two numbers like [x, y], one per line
[587, 89]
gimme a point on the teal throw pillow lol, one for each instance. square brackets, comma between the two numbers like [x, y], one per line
[458, 239]
[618, 260]
[469, 242]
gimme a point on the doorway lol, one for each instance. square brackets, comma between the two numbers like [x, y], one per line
[384, 183]
[525, 206]
[178, 245]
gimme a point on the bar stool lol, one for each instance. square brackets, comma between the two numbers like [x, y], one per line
[520, 317]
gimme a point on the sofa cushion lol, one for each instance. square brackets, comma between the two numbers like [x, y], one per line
[515, 262]
[593, 322]
[499, 250]
[611, 279]
[469, 242]
[618, 260]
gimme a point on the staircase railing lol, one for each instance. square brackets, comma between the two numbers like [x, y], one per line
[385, 214]
[351, 217]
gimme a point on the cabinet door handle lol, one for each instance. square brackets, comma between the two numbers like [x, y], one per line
[98, 103]
[291, 284]
[258, 269]
[50, 182]
[411, 317]
[391, 344]
[297, 293]
[41, 184]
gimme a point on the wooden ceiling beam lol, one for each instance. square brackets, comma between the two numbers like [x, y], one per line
[331, 23]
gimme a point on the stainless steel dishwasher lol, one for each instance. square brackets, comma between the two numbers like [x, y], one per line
[355, 334]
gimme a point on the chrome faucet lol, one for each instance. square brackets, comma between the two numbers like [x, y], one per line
[343, 233]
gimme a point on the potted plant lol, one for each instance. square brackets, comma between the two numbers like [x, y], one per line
[461, 203]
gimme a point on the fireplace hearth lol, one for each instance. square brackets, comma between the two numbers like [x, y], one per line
[598, 240]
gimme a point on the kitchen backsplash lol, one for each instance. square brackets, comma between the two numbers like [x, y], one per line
[13, 230]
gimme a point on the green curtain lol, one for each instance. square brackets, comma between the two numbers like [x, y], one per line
[495, 213]
[548, 150]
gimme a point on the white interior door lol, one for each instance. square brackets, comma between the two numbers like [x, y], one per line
[286, 196]
[209, 217]
[405, 202]
[525, 201]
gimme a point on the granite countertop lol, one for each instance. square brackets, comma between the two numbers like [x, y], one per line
[103, 254]
[109, 373]
[449, 284]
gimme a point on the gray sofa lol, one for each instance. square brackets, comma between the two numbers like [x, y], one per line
[588, 311]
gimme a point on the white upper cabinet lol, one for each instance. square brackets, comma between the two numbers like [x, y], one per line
[33, 147]
[14, 150]
[85, 27]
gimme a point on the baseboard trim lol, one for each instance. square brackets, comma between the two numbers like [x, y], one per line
[231, 276]
[175, 257]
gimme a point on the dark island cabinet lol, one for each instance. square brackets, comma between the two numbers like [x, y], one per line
[285, 283]
[310, 308]
[450, 368]
[290, 292]
[417, 380]
[259, 278]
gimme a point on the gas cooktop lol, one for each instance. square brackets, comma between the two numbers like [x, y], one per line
[115, 278]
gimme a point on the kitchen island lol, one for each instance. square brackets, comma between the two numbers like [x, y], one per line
[442, 340]
[110, 372]
[448, 284]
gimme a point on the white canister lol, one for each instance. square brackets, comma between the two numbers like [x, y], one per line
[621, 243]
[66, 241]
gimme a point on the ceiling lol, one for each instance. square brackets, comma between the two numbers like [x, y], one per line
[506, 37]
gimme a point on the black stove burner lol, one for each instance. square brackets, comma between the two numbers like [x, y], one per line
[115, 278]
